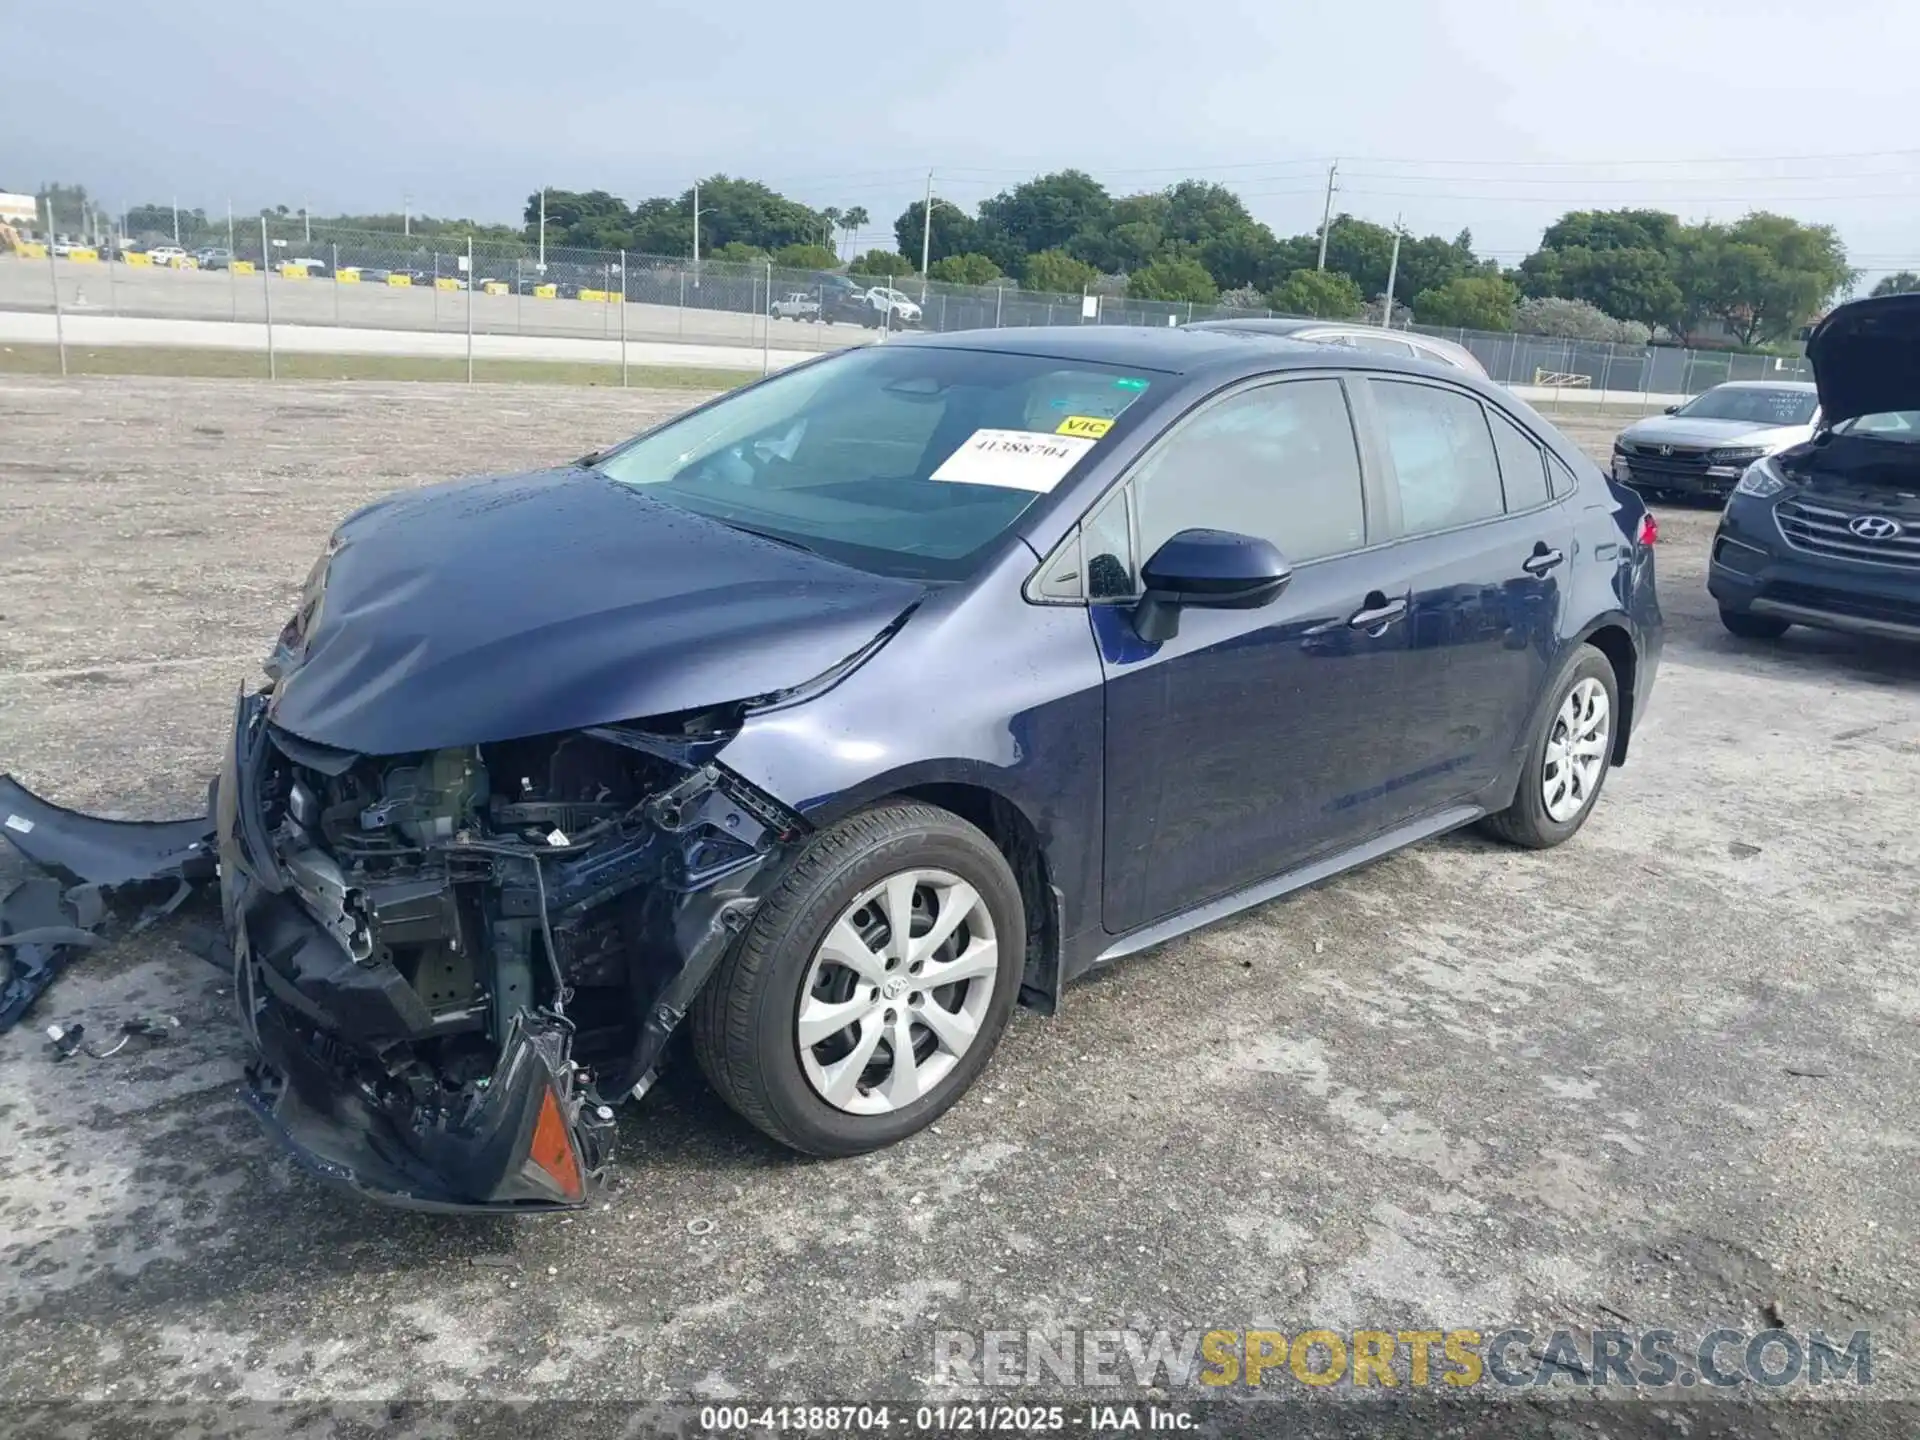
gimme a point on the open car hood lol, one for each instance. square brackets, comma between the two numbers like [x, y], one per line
[489, 610]
[1866, 357]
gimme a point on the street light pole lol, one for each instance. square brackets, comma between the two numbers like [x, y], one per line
[176, 218]
[543, 230]
[1393, 274]
[926, 238]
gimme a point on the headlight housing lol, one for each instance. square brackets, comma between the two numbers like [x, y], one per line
[1737, 455]
[1761, 481]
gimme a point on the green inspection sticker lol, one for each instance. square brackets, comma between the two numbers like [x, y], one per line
[1130, 384]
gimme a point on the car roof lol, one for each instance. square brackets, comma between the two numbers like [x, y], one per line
[1259, 324]
[1176, 350]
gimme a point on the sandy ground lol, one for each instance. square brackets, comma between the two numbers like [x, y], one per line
[1659, 1077]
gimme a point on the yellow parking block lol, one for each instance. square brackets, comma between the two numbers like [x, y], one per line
[32, 250]
[290, 271]
[445, 282]
[348, 276]
[546, 292]
[86, 256]
[241, 267]
[495, 287]
[598, 297]
[139, 257]
[186, 262]
[401, 281]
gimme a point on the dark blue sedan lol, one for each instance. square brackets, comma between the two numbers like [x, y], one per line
[831, 719]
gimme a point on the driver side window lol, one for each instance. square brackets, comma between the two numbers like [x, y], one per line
[1279, 461]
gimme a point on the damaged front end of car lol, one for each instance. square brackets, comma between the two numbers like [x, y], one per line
[452, 964]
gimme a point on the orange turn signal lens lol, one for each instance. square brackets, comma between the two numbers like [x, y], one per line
[552, 1149]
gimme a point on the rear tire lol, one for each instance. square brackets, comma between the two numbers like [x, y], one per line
[788, 977]
[1749, 626]
[1559, 781]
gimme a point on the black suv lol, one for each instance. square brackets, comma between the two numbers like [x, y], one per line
[1827, 533]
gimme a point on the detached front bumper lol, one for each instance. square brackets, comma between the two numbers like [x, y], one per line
[330, 1031]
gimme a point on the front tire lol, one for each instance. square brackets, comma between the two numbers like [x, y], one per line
[872, 985]
[1749, 626]
[1568, 758]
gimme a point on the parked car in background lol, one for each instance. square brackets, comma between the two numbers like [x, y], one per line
[1374, 340]
[1826, 532]
[311, 265]
[844, 299]
[871, 698]
[892, 307]
[213, 258]
[796, 305]
[166, 255]
[1702, 447]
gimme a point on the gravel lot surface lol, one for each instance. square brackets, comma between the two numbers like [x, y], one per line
[1658, 1077]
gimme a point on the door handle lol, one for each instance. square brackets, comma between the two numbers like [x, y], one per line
[1542, 560]
[1378, 612]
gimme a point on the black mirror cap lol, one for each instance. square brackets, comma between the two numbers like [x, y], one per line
[1672, 410]
[1211, 569]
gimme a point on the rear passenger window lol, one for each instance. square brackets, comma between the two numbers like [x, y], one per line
[1523, 467]
[1564, 483]
[1442, 455]
[1278, 461]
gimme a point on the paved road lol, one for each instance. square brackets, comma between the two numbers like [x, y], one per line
[1659, 1074]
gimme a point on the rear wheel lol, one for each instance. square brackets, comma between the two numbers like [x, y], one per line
[1567, 762]
[1749, 626]
[872, 986]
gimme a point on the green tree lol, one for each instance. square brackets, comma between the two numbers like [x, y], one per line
[1321, 294]
[1474, 302]
[853, 220]
[1045, 213]
[883, 263]
[805, 257]
[1763, 277]
[69, 207]
[1575, 320]
[1362, 250]
[1627, 282]
[964, 270]
[1172, 277]
[1613, 230]
[1057, 272]
[737, 251]
[1901, 282]
[953, 229]
[588, 219]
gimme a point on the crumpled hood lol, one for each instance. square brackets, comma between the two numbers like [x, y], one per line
[1683, 430]
[488, 610]
[1866, 357]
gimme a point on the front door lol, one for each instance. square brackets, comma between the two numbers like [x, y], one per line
[1253, 740]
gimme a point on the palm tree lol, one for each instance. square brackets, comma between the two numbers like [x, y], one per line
[852, 220]
[830, 221]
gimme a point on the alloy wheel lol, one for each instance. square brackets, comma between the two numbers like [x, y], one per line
[897, 992]
[1576, 753]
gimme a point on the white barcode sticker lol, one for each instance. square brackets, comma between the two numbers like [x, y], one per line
[20, 823]
[1013, 460]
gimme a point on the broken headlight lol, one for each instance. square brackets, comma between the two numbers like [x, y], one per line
[306, 612]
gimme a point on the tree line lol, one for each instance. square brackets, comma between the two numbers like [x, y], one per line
[1597, 274]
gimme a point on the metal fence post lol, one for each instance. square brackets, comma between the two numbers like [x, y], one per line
[999, 296]
[623, 319]
[59, 323]
[680, 309]
[766, 325]
[334, 275]
[469, 309]
[1606, 373]
[266, 292]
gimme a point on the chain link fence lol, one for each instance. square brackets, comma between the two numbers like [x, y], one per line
[282, 272]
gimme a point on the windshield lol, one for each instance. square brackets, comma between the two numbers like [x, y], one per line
[1759, 404]
[1888, 425]
[906, 460]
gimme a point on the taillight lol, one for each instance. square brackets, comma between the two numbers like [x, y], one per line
[1649, 529]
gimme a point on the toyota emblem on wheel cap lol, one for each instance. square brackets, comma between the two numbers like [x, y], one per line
[1874, 527]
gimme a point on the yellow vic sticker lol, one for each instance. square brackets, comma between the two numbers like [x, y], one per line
[1086, 426]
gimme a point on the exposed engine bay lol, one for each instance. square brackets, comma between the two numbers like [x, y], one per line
[454, 962]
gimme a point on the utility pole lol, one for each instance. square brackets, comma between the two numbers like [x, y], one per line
[926, 238]
[176, 218]
[306, 217]
[406, 215]
[1326, 215]
[542, 267]
[1393, 274]
[696, 234]
[230, 229]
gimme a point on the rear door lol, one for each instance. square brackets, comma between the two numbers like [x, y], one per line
[1486, 550]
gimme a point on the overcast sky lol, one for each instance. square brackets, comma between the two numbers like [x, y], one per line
[1481, 113]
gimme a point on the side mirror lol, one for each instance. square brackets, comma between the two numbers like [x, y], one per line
[1673, 410]
[1212, 569]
